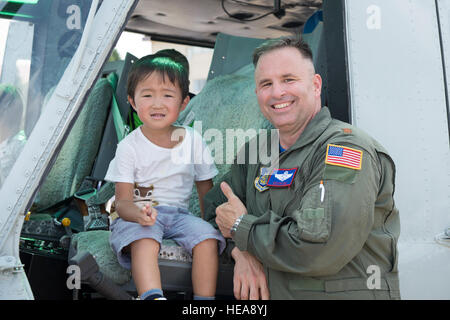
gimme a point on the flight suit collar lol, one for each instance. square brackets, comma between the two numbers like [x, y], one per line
[314, 129]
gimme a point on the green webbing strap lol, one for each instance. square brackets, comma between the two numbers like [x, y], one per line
[103, 195]
[136, 121]
[121, 129]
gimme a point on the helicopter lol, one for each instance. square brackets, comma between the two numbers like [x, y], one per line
[385, 66]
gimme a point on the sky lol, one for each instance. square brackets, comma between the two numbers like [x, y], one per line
[134, 43]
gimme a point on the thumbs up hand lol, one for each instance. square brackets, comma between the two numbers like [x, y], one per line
[228, 212]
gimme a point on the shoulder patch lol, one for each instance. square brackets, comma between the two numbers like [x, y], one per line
[344, 157]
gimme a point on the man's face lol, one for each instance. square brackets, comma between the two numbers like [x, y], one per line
[287, 89]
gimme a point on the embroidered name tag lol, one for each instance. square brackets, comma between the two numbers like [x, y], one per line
[344, 157]
[282, 177]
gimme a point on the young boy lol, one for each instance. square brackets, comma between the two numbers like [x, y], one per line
[158, 90]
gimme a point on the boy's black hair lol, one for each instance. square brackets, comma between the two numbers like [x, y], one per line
[175, 56]
[165, 65]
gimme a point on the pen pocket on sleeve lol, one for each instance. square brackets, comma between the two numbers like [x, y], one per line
[313, 225]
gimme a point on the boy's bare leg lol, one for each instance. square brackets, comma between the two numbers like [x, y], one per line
[144, 265]
[205, 267]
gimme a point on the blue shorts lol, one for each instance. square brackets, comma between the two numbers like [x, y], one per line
[171, 223]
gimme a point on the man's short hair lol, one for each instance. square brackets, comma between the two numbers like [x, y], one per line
[286, 42]
[166, 65]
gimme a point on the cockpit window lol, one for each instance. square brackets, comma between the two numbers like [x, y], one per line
[38, 38]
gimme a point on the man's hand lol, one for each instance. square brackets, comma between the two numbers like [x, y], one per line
[228, 212]
[147, 215]
[249, 278]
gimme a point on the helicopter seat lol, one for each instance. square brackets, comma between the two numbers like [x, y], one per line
[77, 155]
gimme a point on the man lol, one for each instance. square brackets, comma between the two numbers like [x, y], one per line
[323, 224]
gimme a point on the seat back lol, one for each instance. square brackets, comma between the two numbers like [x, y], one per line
[109, 141]
[92, 142]
[226, 103]
[77, 155]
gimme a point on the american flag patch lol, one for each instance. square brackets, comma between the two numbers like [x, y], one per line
[343, 157]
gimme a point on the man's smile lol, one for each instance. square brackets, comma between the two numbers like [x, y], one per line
[283, 105]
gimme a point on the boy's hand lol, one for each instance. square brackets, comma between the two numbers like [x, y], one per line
[147, 215]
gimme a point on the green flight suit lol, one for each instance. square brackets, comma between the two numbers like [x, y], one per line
[317, 244]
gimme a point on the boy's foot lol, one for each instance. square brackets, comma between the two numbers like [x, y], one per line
[155, 297]
[154, 294]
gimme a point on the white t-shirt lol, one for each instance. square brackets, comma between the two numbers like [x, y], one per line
[172, 172]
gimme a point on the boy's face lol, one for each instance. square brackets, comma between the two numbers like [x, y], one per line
[157, 102]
